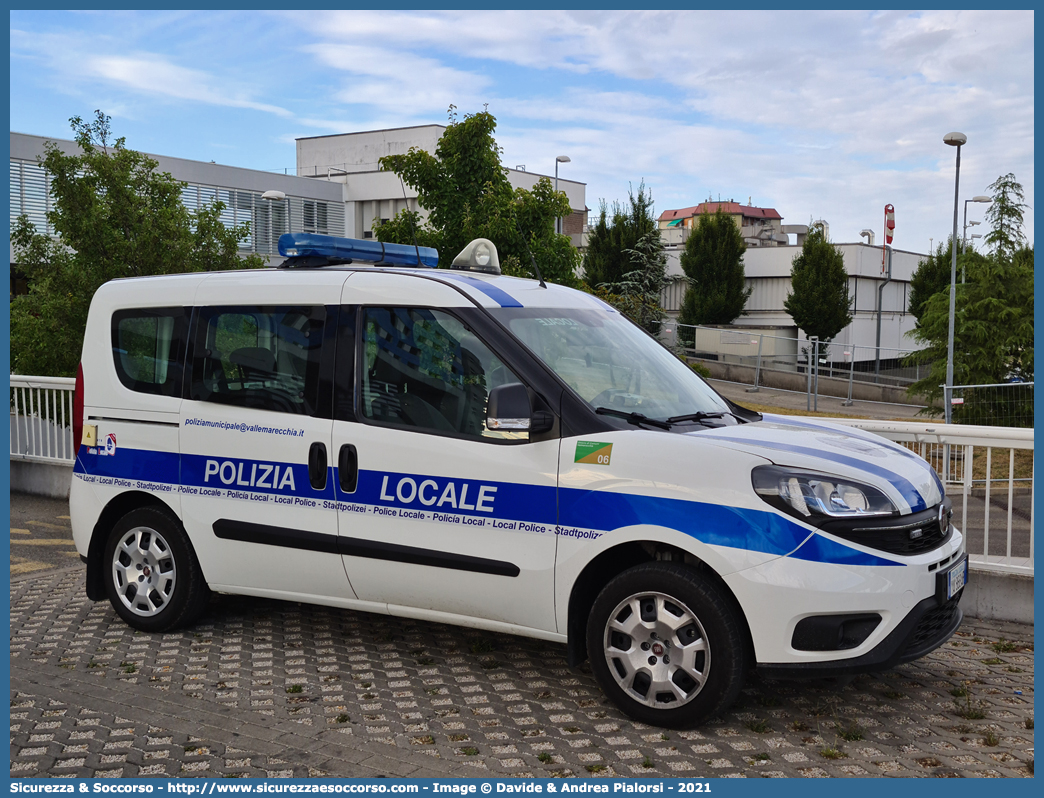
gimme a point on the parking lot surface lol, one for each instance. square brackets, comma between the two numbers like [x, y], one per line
[265, 688]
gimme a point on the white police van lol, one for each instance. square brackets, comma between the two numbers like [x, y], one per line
[463, 447]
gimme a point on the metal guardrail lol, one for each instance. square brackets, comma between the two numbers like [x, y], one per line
[41, 419]
[963, 456]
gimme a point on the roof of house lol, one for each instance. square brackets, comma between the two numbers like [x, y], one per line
[727, 207]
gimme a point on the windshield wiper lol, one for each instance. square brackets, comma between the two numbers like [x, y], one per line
[701, 415]
[633, 418]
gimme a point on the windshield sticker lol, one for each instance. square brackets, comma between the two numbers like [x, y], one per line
[594, 452]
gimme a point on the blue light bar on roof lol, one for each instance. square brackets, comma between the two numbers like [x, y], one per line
[355, 249]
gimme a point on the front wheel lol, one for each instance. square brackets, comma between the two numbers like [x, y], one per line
[153, 579]
[666, 645]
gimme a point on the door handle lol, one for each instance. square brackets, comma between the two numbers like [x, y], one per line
[317, 465]
[348, 468]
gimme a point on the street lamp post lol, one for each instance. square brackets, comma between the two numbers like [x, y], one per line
[954, 140]
[558, 160]
[980, 198]
[276, 196]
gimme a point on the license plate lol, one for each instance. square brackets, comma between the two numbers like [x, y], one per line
[956, 577]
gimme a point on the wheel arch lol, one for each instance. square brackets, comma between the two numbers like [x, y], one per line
[613, 561]
[113, 512]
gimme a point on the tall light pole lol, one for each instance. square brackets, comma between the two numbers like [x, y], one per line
[558, 160]
[954, 140]
[980, 198]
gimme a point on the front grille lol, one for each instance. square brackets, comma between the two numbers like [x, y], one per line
[933, 625]
[895, 538]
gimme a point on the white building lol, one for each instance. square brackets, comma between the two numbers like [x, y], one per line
[351, 159]
[767, 272]
[311, 206]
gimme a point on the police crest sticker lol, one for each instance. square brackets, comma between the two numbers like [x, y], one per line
[110, 445]
[593, 452]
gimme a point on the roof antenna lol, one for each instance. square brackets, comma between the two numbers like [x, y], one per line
[532, 260]
[413, 228]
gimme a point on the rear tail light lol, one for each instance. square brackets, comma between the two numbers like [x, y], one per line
[78, 409]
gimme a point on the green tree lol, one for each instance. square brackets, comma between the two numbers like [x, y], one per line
[467, 195]
[713, 262]
[993, 326]
[617, 232]
[818, 302]
[114, 216]
[1005, 216]
[932, 274]
[638, 293]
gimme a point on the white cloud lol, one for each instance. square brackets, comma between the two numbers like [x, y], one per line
[151, 74]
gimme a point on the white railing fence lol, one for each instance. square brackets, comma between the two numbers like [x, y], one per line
[988, 472]
[41, 419]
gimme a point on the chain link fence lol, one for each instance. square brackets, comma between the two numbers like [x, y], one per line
[881, 365]
[1006, 404]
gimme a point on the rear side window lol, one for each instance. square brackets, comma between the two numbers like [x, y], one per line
[148, 349]
[261, 357]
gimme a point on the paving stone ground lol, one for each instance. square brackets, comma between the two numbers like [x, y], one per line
[266, 688]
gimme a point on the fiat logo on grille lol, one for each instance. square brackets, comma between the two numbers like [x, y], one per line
[657, 649]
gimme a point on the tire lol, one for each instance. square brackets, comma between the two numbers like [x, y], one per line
[637, 626]
[148, 548]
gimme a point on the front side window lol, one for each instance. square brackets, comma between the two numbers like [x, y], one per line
[424, 369]
[260, 357]
[148, 347]
[611, 363]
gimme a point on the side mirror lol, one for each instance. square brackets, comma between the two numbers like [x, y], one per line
[509, 409]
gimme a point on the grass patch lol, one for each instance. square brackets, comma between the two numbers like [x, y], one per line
[665, 737]
[993, 661]
[342, 718]
[482, 646]
[431, 690]
[970, 711]
[959, 692]
[850, 733]
[544, 757]
[425, 661]
[648, 763]
[831, 753]
[490, 665]
[571, 729]
[895, 695]
[594, 768]
[1005, 646]
[762, 757]
[459, 738]
[758, 725]
[129, 667]
[295, 688]
[799, 726]
[991, 739]
[469, 751]
[1029, 723]
[426, 740]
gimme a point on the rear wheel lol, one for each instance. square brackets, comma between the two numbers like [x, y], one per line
[666, 645]
[152, 577]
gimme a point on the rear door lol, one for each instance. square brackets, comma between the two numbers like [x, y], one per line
[255, 437]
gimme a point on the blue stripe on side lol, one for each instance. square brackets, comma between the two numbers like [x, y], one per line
[822, 549]
[716, 525]
[497, 294]
[900, 483]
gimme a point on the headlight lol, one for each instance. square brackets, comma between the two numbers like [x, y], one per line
[815, 497]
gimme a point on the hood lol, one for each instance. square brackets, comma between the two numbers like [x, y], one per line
[908, 480]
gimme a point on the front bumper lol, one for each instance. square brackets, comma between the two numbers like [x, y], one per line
[928, 625]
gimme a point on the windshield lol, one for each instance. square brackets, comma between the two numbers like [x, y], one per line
[611, 363]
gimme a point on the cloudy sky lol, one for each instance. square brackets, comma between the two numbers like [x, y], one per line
[818, 114]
